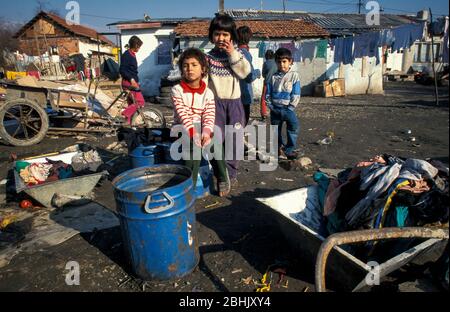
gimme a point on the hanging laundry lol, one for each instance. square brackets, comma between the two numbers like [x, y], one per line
[337, 45]
[322, 46]
[417, 31]
[343, 50]
[262, 49]
[309, 50]
[348, 50]
[404, 36]
[362, 45]
[297, 54]
[290, 46]
[386, 38]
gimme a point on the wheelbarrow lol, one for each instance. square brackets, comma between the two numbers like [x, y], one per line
[72, 187]
[346, 271]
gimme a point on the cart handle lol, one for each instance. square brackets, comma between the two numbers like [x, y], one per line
[149, 200]
[365, 236]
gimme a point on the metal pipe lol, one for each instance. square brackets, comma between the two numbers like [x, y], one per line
[365, 236]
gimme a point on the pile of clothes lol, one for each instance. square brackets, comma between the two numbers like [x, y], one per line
[386, 191]
[51, 171]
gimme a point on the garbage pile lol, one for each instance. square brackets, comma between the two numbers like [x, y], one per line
[386, 191]
[36, 173]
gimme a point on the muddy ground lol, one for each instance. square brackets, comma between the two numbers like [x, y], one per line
[239, 238]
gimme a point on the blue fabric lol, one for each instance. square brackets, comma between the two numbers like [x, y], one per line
[308, 50]
[343, 50]
[386, 38]
[417, 32]
[281, 85]
[246, 84]
[367, 45]
[405, 36]
[262, 48]
[402, 215]
[129, 67]
[324, 182]
[280, 115]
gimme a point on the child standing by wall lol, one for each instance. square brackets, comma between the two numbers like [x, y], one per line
[244, 36]
[269, 68]
[194, 104]
[130, 79]
[227, 67]
[283, 96]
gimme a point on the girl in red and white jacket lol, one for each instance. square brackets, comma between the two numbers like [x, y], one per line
[194, 104]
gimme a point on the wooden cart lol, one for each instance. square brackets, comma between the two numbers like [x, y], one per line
[29, 113]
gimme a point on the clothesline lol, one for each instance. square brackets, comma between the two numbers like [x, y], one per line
[348, 48]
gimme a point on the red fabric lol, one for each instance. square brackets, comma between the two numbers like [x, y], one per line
[263, 102]
[132, 53]
[139, 102]
[34, 74]
[189, 89]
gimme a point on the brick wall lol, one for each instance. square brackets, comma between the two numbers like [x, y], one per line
[65, 46]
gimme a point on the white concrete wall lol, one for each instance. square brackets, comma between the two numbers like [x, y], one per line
[150, 72]
[86, 48]
[359, 79]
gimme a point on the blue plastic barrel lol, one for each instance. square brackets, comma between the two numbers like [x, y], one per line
[144, 156]
[157, 217]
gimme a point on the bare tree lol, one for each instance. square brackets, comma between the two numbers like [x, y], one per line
[7, 42]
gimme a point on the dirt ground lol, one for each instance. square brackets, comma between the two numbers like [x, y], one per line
[238, 238]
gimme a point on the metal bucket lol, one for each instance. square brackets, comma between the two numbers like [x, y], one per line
[145, 156]
[157, 216]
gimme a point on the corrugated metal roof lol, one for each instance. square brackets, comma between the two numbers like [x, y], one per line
[335, 23]
[164, 21]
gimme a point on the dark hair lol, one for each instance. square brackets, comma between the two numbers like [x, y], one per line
[283, 53]
[269, 55]
[194, 53]
[224, 23]
[244, 34]
[135, 42]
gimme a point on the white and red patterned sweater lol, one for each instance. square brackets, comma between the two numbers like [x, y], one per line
[194, 106]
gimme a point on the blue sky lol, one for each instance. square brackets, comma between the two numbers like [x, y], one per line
[98, 13]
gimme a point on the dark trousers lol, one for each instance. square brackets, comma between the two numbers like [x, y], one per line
[219, 165]
[231, 112]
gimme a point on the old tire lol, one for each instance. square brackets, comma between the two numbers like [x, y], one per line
[31, 124]
[149, 117]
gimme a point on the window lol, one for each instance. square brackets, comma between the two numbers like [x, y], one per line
[164, 51]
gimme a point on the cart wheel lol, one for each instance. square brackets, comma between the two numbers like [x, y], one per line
[23, 122]
[149, 117]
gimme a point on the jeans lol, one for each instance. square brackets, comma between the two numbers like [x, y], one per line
[280, 115]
